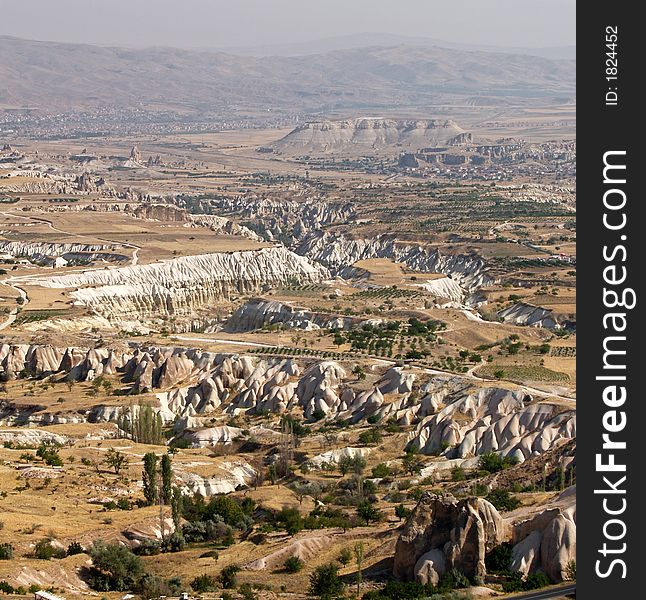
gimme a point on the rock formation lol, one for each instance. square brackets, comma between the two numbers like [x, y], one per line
[179, 285]
[492, 420]
[259, 313]
[523, 313]
[547, 539]
[443, 533]
[367, 136]
[337, 251]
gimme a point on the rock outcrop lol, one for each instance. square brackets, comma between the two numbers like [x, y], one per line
[547, 540]
[367, 135]
[339, 252]
[282, 219]
[179, 285]
[474, 422]
[443, 533]
[44, 253]
[259, 313]
[523, 313]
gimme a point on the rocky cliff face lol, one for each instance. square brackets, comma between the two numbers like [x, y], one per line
[194, 386]
[283, 219]
[259, 313]
[222, 226]
[179, 285]
[339, 251]
[443, 533]
[474, 422]
[547, 539]
[530, 315]
[43, 252]
[367, 135]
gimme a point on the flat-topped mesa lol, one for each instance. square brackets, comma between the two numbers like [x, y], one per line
[339, 252]
[179, 285]
[369, 135]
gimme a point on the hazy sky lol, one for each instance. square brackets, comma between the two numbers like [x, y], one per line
[230, 23]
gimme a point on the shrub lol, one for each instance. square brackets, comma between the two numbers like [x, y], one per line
[7, 588]
[44, 550]
[6, 551]
[401, 512]
[74, 548]
[493, 462]
[499, 559]
[536, 580]
[246, 591]
[115, 567]
[290, 519]
[372, 436]
[204, 583]
[229, 576]
[458, 474]
[345, 557]
[381, 470]
[454, 579]
[325, 582]
[148, 547]
[368, 512]
[293, 564]
[503, 500]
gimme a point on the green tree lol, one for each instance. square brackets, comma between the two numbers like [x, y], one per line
[177, 507]
[6, 551]
[368, 512]
[293, 564]
[345, 557]
[115, 460]
[458, 474]
[229, 576]
[358, 557]
[150, 477]
[204, 583]
[412, 463]
[381, 470]
[167, 478]
[114, 567]
[401, 512]
[325, 582]
[290, 519]
[499, 559]
[503, 500]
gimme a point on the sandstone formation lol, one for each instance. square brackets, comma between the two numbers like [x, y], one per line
[523, 313]
[547, 539]
[283, 219]
[176, 286]
[367, 135]
[44, 253]
[443, 533]
[452, 415]
[339, 251]
[259, 313]
[492, 420]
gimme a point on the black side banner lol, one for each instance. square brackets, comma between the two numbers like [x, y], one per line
[610, 471]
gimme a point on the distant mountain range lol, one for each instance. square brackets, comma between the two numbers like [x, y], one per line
[367, 39]
[54, 76]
